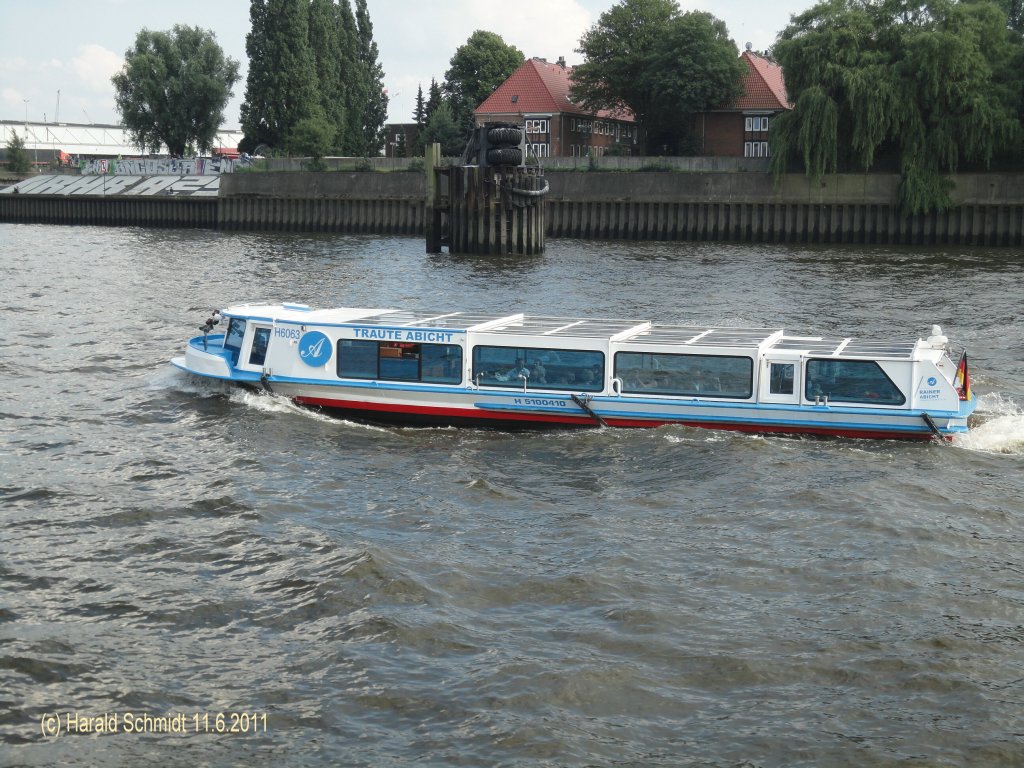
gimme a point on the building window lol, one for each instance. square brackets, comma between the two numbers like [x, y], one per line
[755, 124]
[540, 150]
[755, 149]
[536, 126]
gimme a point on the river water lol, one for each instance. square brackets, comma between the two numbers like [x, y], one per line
[388, 597]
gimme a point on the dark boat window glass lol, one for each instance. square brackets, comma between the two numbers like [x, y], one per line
[851, 381]
[357, 359]
[396, 361]
[260, 340]
[570, 369]
[441, 363]
[780, 381]
[236, 332]
[688, 375]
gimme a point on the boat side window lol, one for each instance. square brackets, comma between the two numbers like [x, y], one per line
[780, 378]
[398, 361]
[236, 332]
[570, 369]
[688, 375]
[851, 381]
[260, 341]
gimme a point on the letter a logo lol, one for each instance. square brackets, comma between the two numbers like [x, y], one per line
[314, 349]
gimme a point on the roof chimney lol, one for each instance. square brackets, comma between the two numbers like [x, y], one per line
[561, 62]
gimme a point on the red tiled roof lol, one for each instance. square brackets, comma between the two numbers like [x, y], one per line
[538, 87]
[763, 85]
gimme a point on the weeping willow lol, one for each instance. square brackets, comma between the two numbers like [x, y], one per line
[933, 85]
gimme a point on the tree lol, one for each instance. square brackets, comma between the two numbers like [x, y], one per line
[325, 34]
[478, 67]
[281, 88]
[1014, 10]
[694, 67]
[434, 99]
[374, 112]
[926, 87]
[18, 160]
[312, 137]
[173, 89]
[442, 130]
[646, 57]
[419, 114]
[414, 146]
[350, 71]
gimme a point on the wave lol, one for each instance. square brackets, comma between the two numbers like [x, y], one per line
[271, 403]
[998, 426]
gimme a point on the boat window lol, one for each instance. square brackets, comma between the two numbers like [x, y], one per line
[236, 332]
[690, 375]
[780, 380]
[572, 369]
[398, 361]
[260, 340]
[851, 381]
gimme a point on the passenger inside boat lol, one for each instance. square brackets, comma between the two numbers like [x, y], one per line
[542, 368]
[540, 373]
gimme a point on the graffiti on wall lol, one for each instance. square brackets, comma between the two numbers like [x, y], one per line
[157, 166]
[181, 186]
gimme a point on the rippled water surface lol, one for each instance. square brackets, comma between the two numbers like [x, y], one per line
[442, 597]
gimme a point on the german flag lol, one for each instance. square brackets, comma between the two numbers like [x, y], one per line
[962, 380]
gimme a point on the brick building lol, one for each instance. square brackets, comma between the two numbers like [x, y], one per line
[537, 94]
[741, 130]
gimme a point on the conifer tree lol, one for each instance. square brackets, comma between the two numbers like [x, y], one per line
[375, 106]
[325, 43]
[434, 99]
[281, 86]
[419, 114]
[442, 129]
[18, 160]
[354, 93]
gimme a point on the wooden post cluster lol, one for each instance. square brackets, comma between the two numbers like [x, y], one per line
[491, 210]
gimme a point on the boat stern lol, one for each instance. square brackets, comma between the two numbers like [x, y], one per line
[206, 356]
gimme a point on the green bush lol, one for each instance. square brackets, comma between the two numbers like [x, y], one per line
[18, 160]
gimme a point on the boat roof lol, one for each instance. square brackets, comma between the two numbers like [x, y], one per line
[639, 332]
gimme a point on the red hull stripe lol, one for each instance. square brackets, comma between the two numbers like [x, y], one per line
[494, 417]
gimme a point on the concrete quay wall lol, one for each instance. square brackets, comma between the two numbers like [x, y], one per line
[988, 209]
[376, 203]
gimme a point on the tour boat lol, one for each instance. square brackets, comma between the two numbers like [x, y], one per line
[522, 371]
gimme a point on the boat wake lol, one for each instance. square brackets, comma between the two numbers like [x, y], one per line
[168, 377]
[999, 427]
[270, 403]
